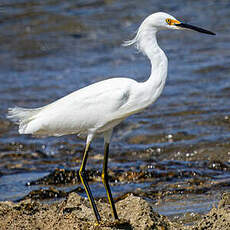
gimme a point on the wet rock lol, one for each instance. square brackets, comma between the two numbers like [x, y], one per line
[218, 165]
[58, 177]
[18, 156]
[43, 194]
[204, 151]
[65, 176]
[135, 176]
[160, 172]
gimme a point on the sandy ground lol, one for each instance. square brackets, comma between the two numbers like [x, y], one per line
[75, 213]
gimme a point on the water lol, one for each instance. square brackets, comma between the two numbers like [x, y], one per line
[51, 48]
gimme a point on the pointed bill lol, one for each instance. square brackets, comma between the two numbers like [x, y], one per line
[198, 29]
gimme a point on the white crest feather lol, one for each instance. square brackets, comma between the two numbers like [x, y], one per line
[134, 41]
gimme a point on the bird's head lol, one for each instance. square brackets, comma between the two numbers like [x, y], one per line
[164, 21]
[154, 23]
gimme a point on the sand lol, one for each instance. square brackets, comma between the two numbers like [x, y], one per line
[75, 213]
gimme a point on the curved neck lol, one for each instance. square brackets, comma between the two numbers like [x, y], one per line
[149, 46]
[147, 43]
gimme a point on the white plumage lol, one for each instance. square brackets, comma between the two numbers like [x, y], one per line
[93, 109]
[98, 108]
[101, 106]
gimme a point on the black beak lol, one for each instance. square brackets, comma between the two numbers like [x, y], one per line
[198, 29]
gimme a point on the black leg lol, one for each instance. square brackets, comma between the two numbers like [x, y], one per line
[86, 185]
[106, 182]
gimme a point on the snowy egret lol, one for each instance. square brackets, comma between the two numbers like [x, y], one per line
[98, 108]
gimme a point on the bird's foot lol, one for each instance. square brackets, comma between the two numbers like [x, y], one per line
[120, 223]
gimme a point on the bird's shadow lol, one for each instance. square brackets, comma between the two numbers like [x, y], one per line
[125, 226]
[120, 224]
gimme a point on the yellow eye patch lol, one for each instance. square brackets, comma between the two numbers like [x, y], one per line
[171, 21]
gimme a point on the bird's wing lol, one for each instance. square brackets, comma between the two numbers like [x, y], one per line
[88, 108]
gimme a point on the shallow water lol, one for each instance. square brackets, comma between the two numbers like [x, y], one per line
[49, 49]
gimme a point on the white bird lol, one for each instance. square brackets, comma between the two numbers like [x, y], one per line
[98, 108]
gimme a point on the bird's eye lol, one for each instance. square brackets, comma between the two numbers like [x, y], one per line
[169, 21]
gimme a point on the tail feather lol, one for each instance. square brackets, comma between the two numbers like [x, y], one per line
[22, 116]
